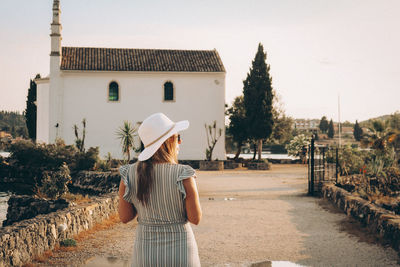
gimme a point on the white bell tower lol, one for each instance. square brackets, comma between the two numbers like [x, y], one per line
[56, 91]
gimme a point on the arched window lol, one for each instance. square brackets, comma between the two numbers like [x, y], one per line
[113, 91]
[168, 91]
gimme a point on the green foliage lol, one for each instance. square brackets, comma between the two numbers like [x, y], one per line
[31, 109]
[54, 183]
[80, 141]
[126, 134]
[380, 135]
[213, 134]
[323, 124]
[87, 160]
[394, 121]
[282, 129]
[105, 165]
[357, 132]
[13, 123]
[237, 125]
[68, 243]
[29, 160]
[378, 174]
[258, 96]
[297, 144]
[331, 130]
[351, 160]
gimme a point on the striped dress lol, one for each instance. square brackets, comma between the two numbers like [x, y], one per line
[163, 236]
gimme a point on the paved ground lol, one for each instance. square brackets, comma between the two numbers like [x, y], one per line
[251, 217]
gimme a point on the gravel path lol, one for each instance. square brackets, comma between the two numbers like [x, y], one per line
[251, 217]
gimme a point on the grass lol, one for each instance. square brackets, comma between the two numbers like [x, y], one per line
[43, 257]
[105, 224]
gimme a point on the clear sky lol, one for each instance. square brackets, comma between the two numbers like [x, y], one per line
[317, 49]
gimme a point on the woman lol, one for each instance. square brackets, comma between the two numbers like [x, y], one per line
[164, 196]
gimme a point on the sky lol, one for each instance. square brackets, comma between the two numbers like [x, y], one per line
[319, 51]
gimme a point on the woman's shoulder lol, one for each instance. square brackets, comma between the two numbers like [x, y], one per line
[124, 169]
[186, 171]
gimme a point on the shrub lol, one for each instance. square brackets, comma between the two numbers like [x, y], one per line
[54, 184]
[29, 161]
[298, 145]
[87, 160]
[68, 243]
[351, 160]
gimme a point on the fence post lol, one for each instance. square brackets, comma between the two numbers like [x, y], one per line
[312, 167]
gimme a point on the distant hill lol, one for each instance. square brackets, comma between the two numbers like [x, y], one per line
[380, 118]
[13, 123]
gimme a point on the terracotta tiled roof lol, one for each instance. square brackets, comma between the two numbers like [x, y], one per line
[122, 59]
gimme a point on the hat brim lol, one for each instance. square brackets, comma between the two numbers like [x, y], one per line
[150, 150]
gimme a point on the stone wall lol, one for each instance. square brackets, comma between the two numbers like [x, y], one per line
[385, 223]
[25, 240]
[26, 207]
[95, 183]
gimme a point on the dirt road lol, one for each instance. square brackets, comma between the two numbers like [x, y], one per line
[251, 217]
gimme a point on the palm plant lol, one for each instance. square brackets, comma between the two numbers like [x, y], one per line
[379, 136]
[127, 133]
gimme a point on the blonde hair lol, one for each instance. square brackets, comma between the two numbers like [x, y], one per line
[167, 153]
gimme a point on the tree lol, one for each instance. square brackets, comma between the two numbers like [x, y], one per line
[258, 96]
[282, 130]
[331, 130]
[127, 133]
[237, 125]
[323, 124]
[357, 131]
[31, 109]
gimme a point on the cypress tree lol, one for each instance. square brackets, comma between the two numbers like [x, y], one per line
[31, 109]
[331, 130]
[357, 131]
[257, 91]
[323, 124]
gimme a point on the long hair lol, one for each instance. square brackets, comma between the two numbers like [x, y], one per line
[167, 153]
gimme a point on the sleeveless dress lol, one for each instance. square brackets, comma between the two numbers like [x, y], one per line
[163, 235]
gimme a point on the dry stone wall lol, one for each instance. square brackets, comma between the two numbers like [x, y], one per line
[25, 240]
[26, 207]
[385, 223]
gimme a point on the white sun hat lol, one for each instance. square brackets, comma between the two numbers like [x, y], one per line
[155, 130]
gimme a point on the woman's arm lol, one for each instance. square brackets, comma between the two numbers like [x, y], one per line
[126, 210]
[193, 208]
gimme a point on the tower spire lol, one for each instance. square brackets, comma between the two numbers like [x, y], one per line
[56, 30]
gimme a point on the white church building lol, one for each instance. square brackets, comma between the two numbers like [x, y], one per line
[108, 86]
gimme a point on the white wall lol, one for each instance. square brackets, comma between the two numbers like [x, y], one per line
[42, 103]
[199, 98]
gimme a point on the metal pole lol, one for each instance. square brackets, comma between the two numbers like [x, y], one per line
[312, 167]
